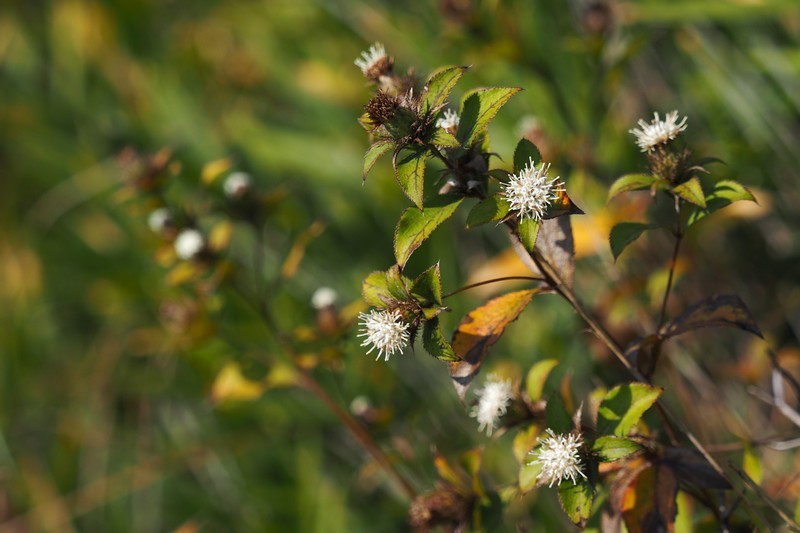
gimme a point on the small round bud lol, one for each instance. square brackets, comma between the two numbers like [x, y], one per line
[323, 297]
[160, 219]
[237, 185]
[189, 244]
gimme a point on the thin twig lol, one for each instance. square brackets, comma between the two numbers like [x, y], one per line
[488, 281]
[672, 264]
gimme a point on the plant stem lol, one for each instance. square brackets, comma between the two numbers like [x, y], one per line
[488, 281]
[673, 262]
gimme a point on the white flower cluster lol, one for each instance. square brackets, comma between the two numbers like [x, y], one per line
[159, 219]
[658, 131]
[323, 297]
[493, 399]
[370, 58]
[449, 121]
[385, 331]
[559, 457]
[531, 191]
[189, 243]
[237, 185]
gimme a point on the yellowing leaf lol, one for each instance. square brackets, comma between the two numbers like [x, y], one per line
[230, 384]
[212, 171]
[220, 235]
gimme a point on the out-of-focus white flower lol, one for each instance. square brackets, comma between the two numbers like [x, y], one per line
[449, 121]
[384, 331]
[374, 57]
[658, 131]
[237, 185]
[159, 219]
[531, 191]
[559, 457]
[323, 297]
[493, 399]
[189, 243]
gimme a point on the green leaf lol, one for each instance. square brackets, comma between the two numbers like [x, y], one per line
[491, 209]
[444, 139]
[630, 182]
[374, 152]
[691, 191]
[428, 286]
[556, 414]
[576, 500]
[528, 475]
[409, 169]
[560, 206]
[375, 290]
[397, 283]
[478, 109]
[528, 230]
[623, 406]
[416, 225]
[439, 85]
[523, 153]
[722, 310]
[435, 343]
[723, 194]
[537, 375]
[610, 449]
[624, 234]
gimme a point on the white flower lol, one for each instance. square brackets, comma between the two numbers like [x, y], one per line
[449, 121]
[237, 184]
[159, 219]
[189, 243]
[323, 297]
[531, 191]
[384, 330]
[658, 131]
[558, 455]
[371, 58]
[492, 403]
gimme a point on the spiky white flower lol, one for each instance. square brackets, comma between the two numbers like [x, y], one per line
[189, 243]
[384, 331]
[371, 58]
[237, 184]
[449, 121]
[559, 457]
[158, 219]
[493, 400]
[658, 131]
[323, 297]
[531, 191]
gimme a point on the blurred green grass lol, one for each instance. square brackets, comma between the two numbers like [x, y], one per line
[95, 435]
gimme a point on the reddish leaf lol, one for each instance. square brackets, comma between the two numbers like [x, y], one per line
[648, 502]
[723, 310]
[481, 328]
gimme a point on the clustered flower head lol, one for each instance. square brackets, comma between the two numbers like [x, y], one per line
[159, 219]
[449, 121]
[237, 185]
[531, 191]
[559, 457]
[374, 63]
[189, 244]
[659, 131]
[385, 331]
[323, 297]
[493, 399]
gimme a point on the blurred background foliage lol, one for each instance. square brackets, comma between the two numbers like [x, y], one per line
[112, 418]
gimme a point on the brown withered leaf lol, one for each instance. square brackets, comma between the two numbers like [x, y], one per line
[721, 310]
[481, 328]
[649, 500]
[690, 466]
[556, 244]
[644, 353]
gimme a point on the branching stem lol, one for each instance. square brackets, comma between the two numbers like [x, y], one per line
[488, 281]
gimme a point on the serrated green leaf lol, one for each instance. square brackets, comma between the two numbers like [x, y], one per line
[610, 449]
[528, 230]
[630, 182]
[428, 286]
[478, 109]
[397, 283]
[375, 289]
[623, 406]
[691, 191]
[624, 234]
[374, 152]
[491, 209]
[537, 375]
[435, 343]
[576, 500]
[416, 225]
[525, 152]
[444, 139]
[409, 169]
[722, 194]
[440, 84]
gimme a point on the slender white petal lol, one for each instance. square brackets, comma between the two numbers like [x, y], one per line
[531, 191]
[658, 132]
[559, 457]
[449, 121]
[370, 58]
[493, 399]
[384, 331]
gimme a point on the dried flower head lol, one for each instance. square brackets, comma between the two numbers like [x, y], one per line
[374, 63]
[384, 330]
[159, 219]
[237, 185]
[449, 122]
[189, 244]
[659, 131]
[559, 457]
[381, 108]
[493, 399]
[323, 297]
[531, 191]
